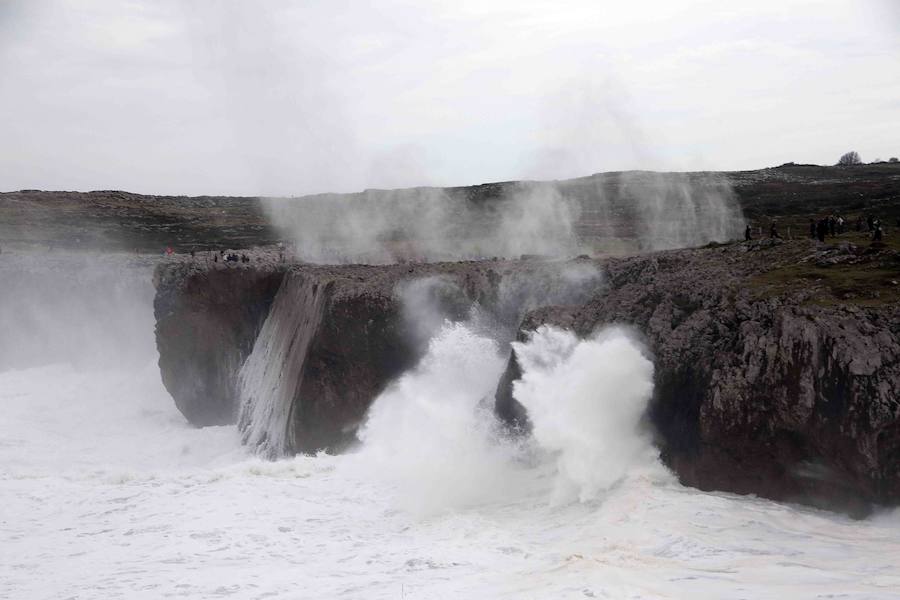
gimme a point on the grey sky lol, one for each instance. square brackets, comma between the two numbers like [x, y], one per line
[276, 97]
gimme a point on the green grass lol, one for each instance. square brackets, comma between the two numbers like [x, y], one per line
[870, 282]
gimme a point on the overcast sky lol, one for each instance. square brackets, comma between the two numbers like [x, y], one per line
[297, 97]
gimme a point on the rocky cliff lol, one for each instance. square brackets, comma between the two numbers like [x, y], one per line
[207, 320]
[777, 363]
[777, 366]
[297, 354]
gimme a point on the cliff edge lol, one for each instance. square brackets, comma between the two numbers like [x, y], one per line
[777, 365]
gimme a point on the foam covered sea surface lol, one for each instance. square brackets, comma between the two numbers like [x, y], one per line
[107, 493]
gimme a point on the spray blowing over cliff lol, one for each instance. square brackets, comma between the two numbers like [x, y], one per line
[611, 212]
[89, 310]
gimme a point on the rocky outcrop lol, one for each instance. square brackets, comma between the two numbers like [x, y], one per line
[207, 320]
[777, 365]
[765, 382]
[300, 353]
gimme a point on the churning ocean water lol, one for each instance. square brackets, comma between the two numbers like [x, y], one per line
[107, 493]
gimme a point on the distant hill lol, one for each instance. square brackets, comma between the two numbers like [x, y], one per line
[116, 220]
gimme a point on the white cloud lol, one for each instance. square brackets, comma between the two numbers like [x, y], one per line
[288, 98]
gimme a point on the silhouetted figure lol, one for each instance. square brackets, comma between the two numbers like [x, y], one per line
[773, 232]
[831, 223]
[876, 237]
[215, 258]
[870, 223]
[821, 230]
[747, 236]
[812, 228]
[859, 223]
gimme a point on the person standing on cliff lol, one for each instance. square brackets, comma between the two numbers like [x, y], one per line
[747, 236]
[773, 231]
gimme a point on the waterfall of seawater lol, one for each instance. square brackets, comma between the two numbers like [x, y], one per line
[585, 400]
[272, 373]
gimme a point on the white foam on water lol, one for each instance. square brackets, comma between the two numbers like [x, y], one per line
[107, 493]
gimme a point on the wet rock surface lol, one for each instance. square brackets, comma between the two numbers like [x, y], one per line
[324, 341]
[767, 380]
[207, 320]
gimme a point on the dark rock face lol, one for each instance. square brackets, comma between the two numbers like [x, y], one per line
[299, 354]
[777, 365]
[328, 347]
[360, 345]
[785, 395]
[206, 323]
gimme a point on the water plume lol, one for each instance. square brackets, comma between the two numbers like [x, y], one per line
[585, 400]
[673, 210]
[434, 438]
[428, 224]
[609, 212]
[432, 434]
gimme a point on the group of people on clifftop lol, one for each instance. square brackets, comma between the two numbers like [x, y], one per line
[773, 232]
[224, 256]
[834, 225]
[231, 257]
[831, 226]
